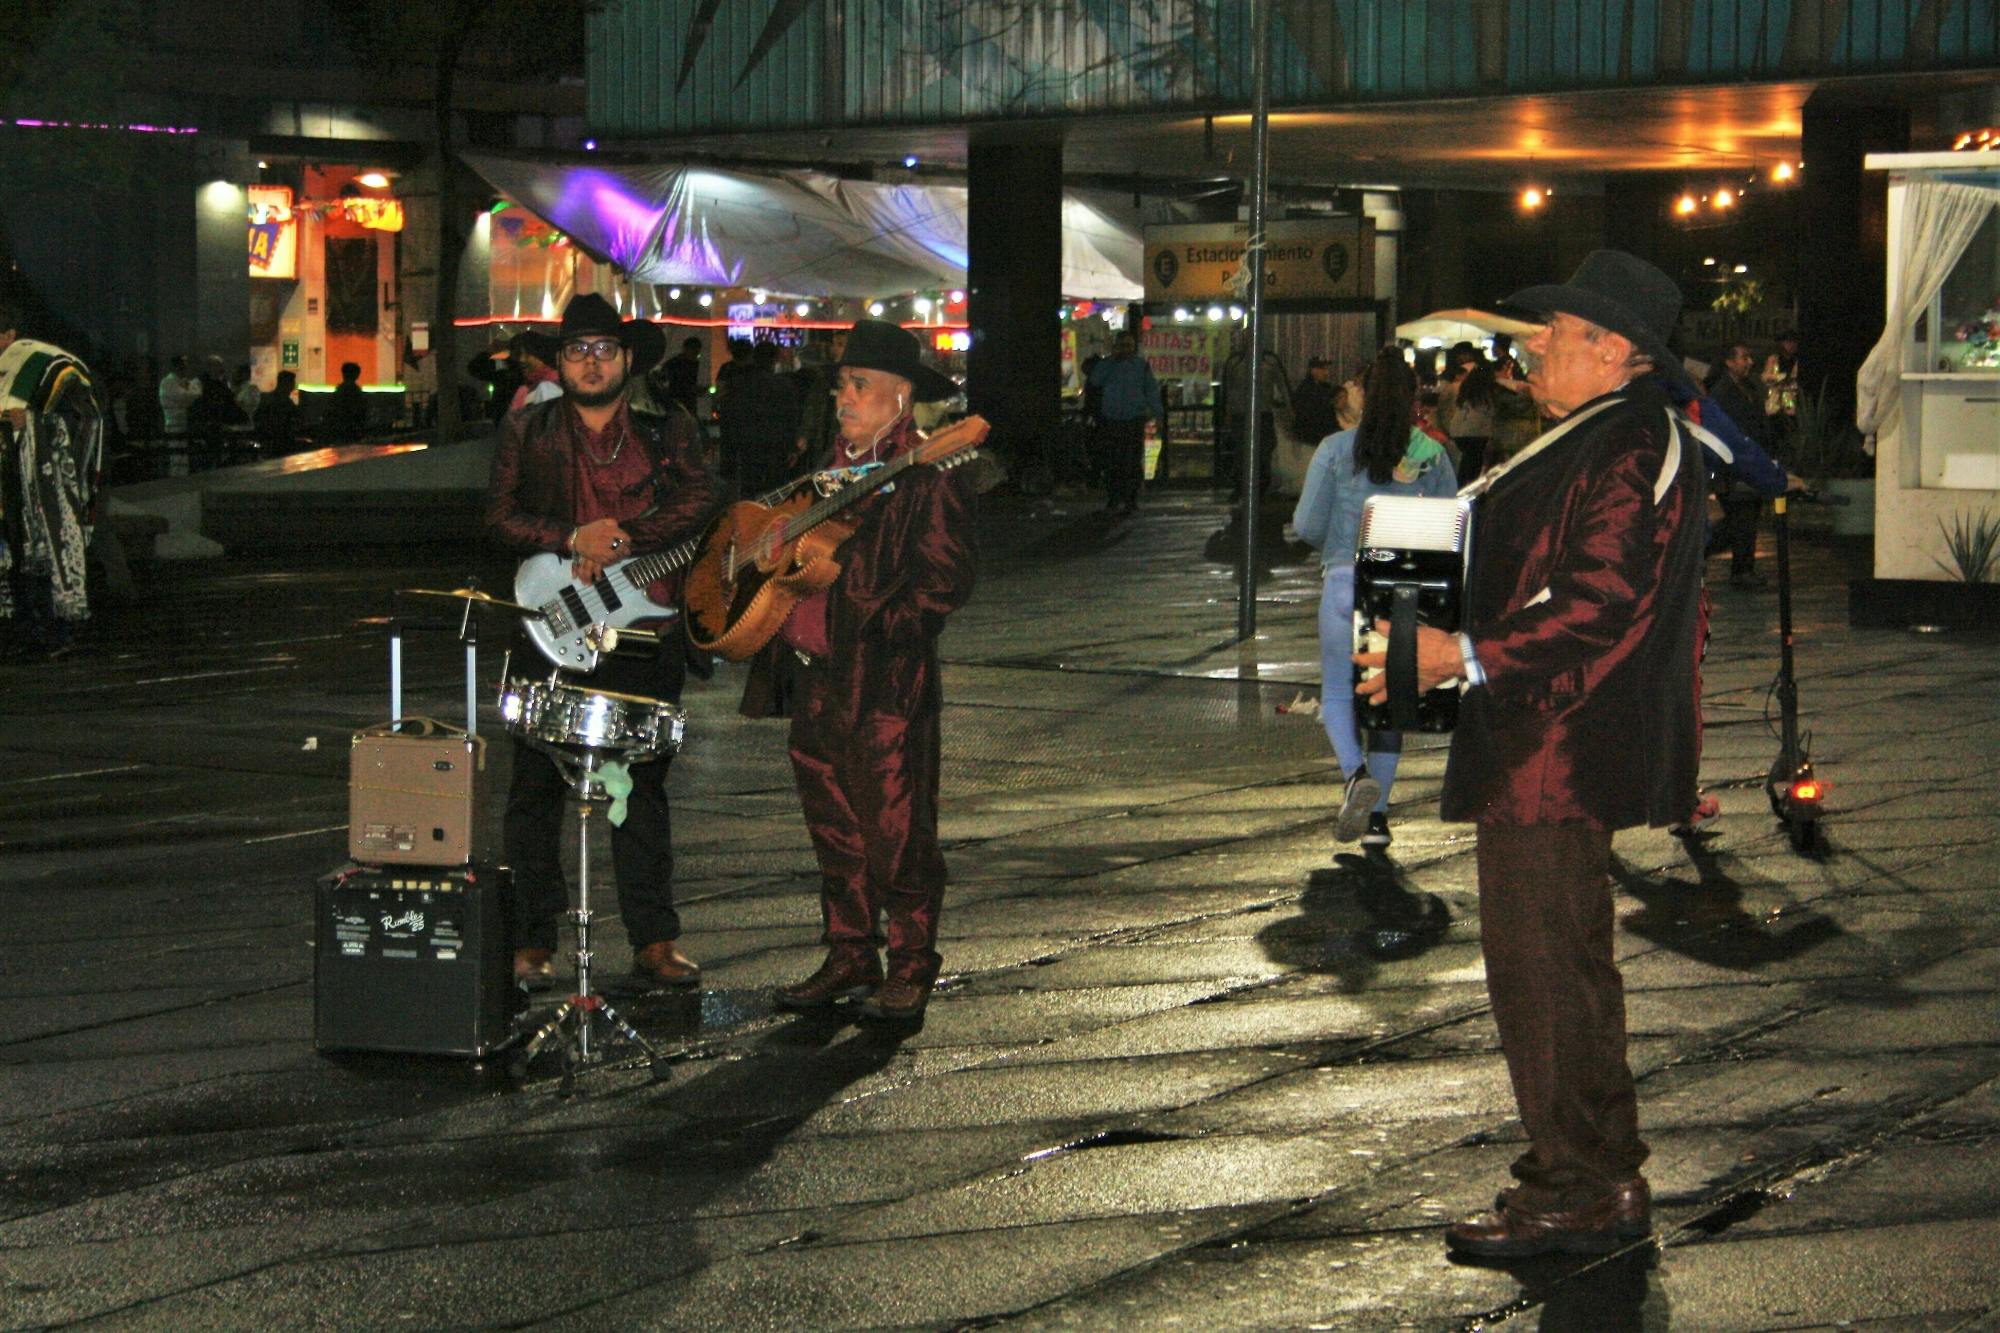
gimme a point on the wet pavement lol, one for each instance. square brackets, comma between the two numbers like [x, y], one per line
[1179, 1074]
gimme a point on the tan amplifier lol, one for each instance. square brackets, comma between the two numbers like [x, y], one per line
[411, 795]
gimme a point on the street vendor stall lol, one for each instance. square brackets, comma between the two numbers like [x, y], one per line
[1929, 393]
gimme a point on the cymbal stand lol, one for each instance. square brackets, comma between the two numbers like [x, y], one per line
[573, 1018]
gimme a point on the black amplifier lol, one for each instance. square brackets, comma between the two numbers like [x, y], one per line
[410, 958]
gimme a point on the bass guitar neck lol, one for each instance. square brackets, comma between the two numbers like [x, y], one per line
[568, 608]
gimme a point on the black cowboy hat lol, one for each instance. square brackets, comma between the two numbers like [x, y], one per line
[543, 345]
[876, 344]
[591, 316]
[1615, 291]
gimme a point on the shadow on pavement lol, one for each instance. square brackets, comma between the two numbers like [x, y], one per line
[1356, 913]
[1708, 922]
[1620, 1293]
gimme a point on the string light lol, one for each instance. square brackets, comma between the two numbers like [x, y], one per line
[1685, 205]
[875, 309]
[1781, 173]
[1533, 197]
[1724, 198]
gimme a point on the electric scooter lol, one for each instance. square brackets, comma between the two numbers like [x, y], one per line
[1797, 796]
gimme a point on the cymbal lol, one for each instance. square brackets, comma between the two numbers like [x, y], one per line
[470, 595]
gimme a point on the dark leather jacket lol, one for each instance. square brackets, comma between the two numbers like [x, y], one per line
[529, 504]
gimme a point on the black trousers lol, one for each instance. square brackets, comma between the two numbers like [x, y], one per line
[642, 848]
[1124, 445]
[1741, 510]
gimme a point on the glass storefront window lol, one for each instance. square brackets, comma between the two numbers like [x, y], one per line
[1964, 325]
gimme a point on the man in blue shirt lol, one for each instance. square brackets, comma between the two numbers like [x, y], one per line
[1131, 397]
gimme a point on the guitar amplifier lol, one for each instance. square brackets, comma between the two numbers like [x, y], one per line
[413, 960]
[411, 797]
[1409, 569]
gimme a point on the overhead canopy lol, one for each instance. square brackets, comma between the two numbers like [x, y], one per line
[794, 233]
[1462, 325]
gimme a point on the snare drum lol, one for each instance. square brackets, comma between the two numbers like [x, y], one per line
[630, 725]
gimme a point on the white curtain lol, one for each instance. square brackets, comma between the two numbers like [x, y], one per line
[1938, 219]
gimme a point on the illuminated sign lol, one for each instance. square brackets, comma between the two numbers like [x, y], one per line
[1304, 258]
[274, 232]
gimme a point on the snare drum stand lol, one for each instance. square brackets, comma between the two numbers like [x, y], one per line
[572, 1018]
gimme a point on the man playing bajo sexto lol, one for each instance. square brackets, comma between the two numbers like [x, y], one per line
[1579, 642]
[855, 667]
[586, 477]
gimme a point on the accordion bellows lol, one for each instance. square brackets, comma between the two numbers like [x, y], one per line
[1409, 570]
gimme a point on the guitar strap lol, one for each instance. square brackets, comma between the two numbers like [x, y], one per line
[834, 479]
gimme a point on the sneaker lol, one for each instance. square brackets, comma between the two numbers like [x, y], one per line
[1355, 804]
[1706, 811]
[1378, 834]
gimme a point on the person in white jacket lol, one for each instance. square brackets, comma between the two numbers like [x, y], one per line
[178, 390]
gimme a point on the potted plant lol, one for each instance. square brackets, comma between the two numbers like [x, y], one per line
[1831, 454]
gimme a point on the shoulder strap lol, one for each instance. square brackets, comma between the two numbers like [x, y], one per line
[1485, 480]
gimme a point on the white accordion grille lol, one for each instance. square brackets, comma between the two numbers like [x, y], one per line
[1415, 523]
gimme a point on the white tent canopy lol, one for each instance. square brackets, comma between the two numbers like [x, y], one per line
[792, 233]
[1462, 325]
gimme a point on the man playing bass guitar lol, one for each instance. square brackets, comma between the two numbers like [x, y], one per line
[596, 482]
[855, 667]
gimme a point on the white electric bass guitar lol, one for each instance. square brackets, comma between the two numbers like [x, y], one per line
[570, 615]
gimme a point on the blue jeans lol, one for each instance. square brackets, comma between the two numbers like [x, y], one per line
[1383, 749]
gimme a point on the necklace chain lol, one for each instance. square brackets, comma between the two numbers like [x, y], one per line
[616, 449]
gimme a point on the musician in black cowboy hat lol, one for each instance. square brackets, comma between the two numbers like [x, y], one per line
[1579, 643]
[588, 477]
[856, 670]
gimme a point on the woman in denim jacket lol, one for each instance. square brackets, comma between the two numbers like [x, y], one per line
[1386, 454]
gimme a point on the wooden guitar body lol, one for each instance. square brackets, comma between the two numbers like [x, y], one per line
[733, 615]
[760, 560]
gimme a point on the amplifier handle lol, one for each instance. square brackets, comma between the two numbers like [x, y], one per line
[1402, 664]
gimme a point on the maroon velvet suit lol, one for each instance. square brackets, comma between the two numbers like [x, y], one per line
[1581, 608]
[865, 716]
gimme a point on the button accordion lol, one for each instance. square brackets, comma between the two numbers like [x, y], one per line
[1410, 564]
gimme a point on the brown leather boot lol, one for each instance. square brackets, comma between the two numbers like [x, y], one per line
[846, 974]
[1631, 1207]
[662, 963]
[532, 969]
[1517, 1232]
[898, 1000]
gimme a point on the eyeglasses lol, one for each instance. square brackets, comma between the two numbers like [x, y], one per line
[602, 349]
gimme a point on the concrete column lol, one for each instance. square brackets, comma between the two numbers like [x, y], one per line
[1014, 289]
[1843, 259]
[220, 293]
